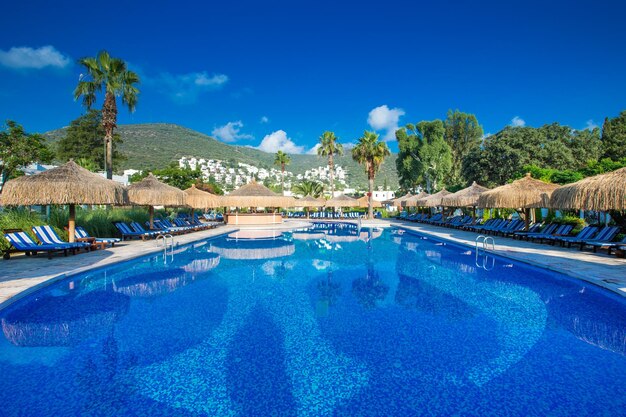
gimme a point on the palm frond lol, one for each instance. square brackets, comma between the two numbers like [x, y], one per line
[105, 60]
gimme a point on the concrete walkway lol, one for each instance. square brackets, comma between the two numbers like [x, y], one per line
[598, 268]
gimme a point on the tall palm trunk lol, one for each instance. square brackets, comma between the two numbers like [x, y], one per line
[331, 168]
[370, 180]
[109, 123]
[282, 178]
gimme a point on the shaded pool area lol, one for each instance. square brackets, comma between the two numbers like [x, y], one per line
[332, 320]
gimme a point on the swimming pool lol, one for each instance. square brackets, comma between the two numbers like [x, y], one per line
[325, 321]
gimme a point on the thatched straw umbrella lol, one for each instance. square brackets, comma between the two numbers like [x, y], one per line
[308, 201]
[201, 200]
[433, 200]
[467, 197]
[152, 192]
[342, 201]
[364, 201]
[254, 194]
[525, 193]
[68, 184]
[412, 201]
[599, 193]
[398, 201]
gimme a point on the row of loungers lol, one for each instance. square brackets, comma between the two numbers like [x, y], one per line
[329, 215]
[49, 242]
[589, 237]
[161, 226]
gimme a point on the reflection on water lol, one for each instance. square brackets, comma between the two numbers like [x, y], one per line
[518, 313]
[253, 249]
[64, 320]
[153, 283]
[202, 262]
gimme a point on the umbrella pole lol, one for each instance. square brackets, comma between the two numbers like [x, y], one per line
[71, 227]
[527, 218]
[151, 211]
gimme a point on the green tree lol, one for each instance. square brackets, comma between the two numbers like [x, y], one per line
[312, 188]
[282, 159]
[329, 147]
[83, 140]
[462, 134]
[370, 152]
[504, 155]
[18, 149]
[614, 137]
[425, 156]
[112, 75]
[210, 186]
[88, 164]
[173, 175]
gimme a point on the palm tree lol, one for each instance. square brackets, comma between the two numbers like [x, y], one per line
[282, 159]
[312, 188]
[329, 147]
[371, 152]
[112, 75]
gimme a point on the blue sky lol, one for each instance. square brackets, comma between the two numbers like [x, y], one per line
[277, 74]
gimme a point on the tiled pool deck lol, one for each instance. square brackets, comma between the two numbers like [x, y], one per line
[22, 275]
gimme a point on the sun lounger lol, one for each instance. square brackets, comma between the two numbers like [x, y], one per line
[513, 226]
[617, 245]
[127, 232]
[602, 239]
[22, 242]
[47, 236]
[81, 233]
[547, 231]
[136, 227]
[562, 230]
[586, 233]
[534, 228]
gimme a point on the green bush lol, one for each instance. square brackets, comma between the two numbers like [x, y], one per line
[573, 220]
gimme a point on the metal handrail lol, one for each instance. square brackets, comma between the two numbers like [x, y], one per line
[165, 238]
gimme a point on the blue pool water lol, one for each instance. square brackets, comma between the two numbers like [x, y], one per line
[319, 322]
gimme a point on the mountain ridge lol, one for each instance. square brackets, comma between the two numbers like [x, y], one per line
[150, 146]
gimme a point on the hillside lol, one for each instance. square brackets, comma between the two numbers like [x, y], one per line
[155, 145]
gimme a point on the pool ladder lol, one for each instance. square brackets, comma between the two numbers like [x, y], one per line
[485, 264]
[168, 241]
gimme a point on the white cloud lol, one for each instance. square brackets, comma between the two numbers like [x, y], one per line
[590, 125]
[215, 80]
[313, 150]
[346, 147]
[185, 88]
[265, 119]
[384, 118]
[518, 122]
[33, 58]
[230, 132]
[278, 141]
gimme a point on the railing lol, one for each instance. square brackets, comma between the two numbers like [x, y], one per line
[164, 238]
[488, 262]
